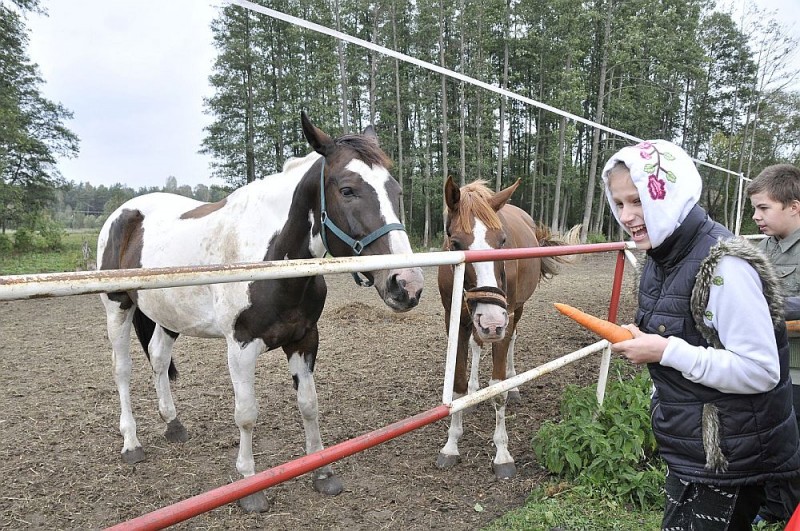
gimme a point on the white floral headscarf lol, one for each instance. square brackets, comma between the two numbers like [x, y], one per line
[668, 183]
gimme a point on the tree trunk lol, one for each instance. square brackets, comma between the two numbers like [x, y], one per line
[342, 71]
[587, 210]
[249, 113]
[399, 118]
[504, 84]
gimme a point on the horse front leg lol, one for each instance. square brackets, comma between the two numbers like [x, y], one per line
[449, 454]
[302, 357]
[242, 366]
[503, 463]
[511, 371]
[118, 324]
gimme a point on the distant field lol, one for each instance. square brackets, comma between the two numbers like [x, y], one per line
[70, 258]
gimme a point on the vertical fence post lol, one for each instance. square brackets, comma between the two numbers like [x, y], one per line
[605, 360]
[452, 332]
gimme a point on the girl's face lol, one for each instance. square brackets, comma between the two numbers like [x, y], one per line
[629, 207]
[773, 218]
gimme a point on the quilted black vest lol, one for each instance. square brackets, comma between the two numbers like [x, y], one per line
[704, 435]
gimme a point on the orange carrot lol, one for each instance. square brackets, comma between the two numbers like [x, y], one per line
[605, 329]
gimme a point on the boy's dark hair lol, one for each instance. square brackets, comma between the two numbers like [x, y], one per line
[781, 182]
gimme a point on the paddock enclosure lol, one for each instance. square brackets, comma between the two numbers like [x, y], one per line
[59, 441]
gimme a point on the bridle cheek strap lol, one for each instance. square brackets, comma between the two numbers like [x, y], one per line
[486, 295]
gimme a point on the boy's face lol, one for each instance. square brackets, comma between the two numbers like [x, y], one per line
[629, 207]
[774, 219]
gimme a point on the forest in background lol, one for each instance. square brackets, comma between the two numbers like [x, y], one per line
[675, 69]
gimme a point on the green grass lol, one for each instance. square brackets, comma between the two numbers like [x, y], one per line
[561, 506]
[69, 258]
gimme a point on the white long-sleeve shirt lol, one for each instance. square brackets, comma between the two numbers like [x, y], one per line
[738, 311]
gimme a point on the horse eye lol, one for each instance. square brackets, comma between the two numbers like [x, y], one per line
[503, 242]
[455, 246]
[347, 191]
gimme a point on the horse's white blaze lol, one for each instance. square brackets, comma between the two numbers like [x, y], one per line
[486, 316]
[377, 177]
[483, 270]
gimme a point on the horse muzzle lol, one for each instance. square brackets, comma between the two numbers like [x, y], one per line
[402, 288]
[489, 311]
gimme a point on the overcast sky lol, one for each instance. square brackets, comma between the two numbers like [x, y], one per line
[135, 72]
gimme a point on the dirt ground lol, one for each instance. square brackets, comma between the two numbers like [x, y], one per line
[59, 442]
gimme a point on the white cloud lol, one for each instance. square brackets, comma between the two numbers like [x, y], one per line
[134, 74]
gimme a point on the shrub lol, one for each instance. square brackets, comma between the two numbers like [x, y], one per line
[596, 237]
[5, 244]
[610, 451]
[52, 233]
[24, 241]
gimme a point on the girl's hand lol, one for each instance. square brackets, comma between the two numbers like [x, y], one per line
[643, 348]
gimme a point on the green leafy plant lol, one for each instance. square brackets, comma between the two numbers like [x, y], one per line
[608, 450]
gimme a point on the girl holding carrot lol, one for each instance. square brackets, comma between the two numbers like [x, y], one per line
[710, 328]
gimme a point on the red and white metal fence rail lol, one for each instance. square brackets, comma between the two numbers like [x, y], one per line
[61, 284]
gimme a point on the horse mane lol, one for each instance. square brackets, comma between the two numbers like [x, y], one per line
[293, 162]
[367, 148]
[474, 203]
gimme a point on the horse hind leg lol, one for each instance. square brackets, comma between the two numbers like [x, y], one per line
[160, 349]
[301, 367]
[119, 315]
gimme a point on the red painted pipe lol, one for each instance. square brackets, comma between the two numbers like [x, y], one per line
[178, 512]
[616, 287]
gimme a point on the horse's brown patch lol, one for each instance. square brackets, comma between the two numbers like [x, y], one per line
[124, 249]
[204, 210]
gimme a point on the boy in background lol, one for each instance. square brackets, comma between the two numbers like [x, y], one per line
[775, 196]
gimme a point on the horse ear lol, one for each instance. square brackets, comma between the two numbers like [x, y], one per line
[370, 133]
[452, 194]
[320, 141]
[499, 199]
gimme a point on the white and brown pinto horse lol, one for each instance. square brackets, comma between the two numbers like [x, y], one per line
[494, 296]
[344, 186]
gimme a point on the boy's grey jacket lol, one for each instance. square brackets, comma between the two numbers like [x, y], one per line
[705, 435]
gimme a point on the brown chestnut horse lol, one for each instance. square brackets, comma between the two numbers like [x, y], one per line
[494, 296]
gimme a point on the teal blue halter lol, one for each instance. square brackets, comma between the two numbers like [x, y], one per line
[356, 245]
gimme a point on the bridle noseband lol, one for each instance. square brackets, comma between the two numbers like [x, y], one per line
[356, 245]
[486, 295]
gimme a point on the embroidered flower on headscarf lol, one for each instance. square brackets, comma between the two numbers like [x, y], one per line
[645, 150]
[657, 187]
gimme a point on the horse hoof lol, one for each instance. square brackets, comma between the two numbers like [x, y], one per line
[329, 485]
[513, 397]
[134, 456]
[176, 433]
[255, 503]
[504, 470]
[445, 461]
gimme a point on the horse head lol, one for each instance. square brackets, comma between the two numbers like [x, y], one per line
[359, 209]
[473, 224]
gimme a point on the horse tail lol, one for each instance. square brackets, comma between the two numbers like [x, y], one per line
[145, 328]
[550, 264]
